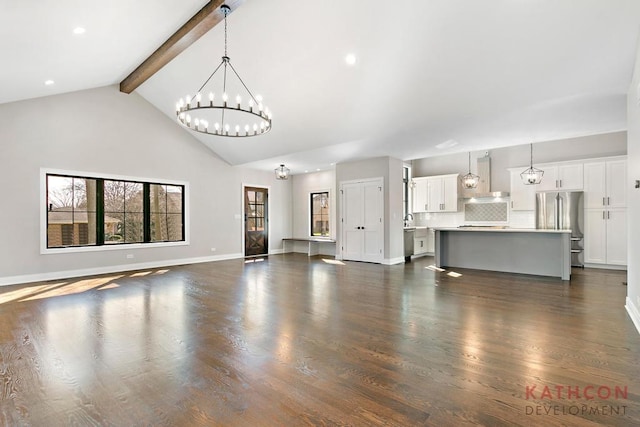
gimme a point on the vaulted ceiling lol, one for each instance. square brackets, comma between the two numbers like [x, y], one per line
[431, 77]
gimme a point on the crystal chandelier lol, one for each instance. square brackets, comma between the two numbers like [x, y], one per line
[531, 175]
[282, 172]
[469, 180]
[218, 115]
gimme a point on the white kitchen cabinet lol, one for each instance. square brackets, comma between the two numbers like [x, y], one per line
[420, 194]
[562, 176]
[523, 197]
[442, 193]
[431, 240]
[605, 184]
[423, 241]
[420, 241]
[605, 236]
[436, 193]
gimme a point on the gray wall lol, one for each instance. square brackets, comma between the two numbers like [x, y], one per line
[391, 170]
[633, 194]
[305, 184]
[610, 144]
[103, 131]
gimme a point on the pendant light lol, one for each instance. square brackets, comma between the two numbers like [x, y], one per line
[282, 172]
[469, 180]
[531, 175]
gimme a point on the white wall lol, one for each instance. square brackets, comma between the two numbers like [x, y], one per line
[103, 131]
[610, 144]
[633, 195]
[391, 170]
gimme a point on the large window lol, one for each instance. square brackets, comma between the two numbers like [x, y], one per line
[89, 211]
[320, 214]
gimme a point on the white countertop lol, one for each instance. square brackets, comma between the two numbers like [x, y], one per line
[502, 230]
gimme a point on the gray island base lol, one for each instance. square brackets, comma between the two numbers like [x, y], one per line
[509, 250]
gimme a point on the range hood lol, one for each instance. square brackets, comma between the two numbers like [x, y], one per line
[483, 190]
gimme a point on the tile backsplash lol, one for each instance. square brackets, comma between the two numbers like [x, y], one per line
[517, 219]
[486, 212]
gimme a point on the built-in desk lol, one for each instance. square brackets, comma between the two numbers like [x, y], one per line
[511, 250]
[314, 245]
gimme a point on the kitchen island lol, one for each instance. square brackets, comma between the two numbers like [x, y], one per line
[510, 250]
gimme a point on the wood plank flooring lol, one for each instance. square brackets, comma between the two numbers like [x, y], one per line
[294, 341]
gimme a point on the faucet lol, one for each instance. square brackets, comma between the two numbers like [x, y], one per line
[406, 219]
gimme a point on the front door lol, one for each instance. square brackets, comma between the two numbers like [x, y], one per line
[256, 237]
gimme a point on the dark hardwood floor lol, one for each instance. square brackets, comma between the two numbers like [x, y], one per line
[295, 341]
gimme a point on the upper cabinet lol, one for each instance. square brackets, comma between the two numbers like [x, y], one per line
[420, 193]
[562, 176]
[523, 197]
[604, 184]
[436, 193]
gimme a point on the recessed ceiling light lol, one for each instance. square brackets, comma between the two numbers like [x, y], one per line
[447, 144]
[49, 82]
[79, 30]
[306, 171]
[350, 59]
[332, 164]
[317, 170]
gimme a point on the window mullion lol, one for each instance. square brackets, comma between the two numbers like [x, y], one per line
[99, 212]
[146, 212]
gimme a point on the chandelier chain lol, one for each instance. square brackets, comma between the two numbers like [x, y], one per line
[225, 30]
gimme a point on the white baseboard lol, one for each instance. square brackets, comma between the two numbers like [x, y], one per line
[606, 266]
[276, 251]
[634, 313]
[393, 261]
[57, 275]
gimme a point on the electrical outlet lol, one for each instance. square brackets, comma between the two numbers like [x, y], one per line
[129, 256]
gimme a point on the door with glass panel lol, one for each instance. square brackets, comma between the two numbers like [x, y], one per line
[256, 219]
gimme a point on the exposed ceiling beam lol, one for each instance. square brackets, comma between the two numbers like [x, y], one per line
[207, 18]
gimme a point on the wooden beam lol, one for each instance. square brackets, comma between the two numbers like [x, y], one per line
[207, 18]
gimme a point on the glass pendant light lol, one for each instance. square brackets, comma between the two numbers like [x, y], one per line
[282, 172]
[469, 180]
[531, 175]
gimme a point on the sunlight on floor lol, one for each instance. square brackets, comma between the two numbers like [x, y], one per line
[249, 261]
[68, 287]
[333, 261]
[454, 274]
[72, 288]
[140, 274]
[434, 268]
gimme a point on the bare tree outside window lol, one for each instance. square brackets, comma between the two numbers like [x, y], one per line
[75, 216]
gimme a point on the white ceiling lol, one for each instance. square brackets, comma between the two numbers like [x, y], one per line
[484, 74]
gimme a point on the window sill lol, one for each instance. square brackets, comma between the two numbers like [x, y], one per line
[104, 248]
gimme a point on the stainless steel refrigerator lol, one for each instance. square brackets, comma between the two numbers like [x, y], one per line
[563, 210]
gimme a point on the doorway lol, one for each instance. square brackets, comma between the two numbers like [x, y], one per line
[256, 221]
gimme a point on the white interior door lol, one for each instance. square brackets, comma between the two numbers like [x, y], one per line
[372, 225]
[362, 226]
[352, 220]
